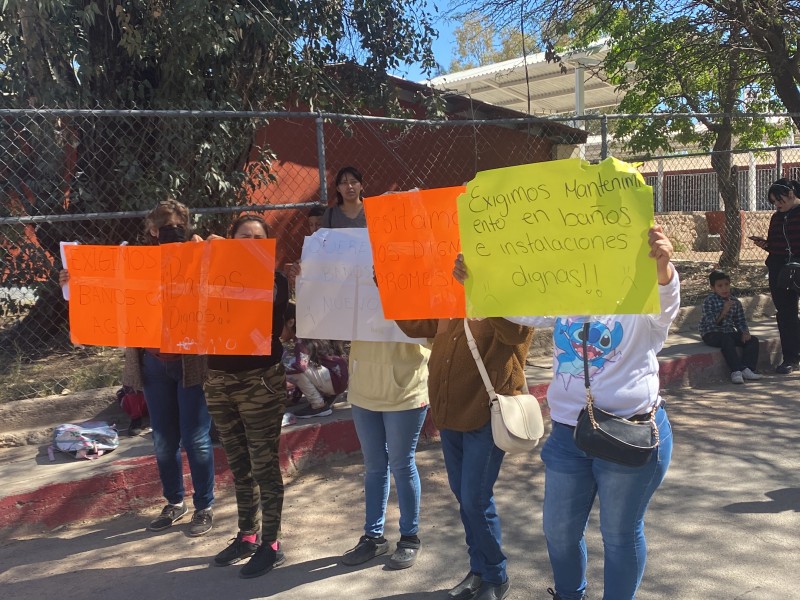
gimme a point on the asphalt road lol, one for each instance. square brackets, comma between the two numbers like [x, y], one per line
[723, 525]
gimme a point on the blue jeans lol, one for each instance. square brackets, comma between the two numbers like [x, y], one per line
[179, 417]
[572, 481]
[473, 464]
[388, 442]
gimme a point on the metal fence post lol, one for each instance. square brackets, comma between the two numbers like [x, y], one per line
[752, 183]
[603, 137]
[323, 177]
[778, 164]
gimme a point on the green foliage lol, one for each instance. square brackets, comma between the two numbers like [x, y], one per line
[677, 67]
[478, 43]
[183, 54]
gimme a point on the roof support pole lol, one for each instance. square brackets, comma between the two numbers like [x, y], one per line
[580, 102]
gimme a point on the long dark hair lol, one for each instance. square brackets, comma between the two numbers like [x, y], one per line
[781, 188]
[340, 175]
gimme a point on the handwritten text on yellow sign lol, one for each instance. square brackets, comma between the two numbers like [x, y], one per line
[555, 238]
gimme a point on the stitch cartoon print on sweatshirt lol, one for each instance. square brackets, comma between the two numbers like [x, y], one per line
[602, 346]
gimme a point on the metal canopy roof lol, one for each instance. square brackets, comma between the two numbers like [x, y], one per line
[552, 91]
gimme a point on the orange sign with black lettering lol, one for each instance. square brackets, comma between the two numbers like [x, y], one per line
[414, 238]
[218, 297]
[115, 295]
[193, 298]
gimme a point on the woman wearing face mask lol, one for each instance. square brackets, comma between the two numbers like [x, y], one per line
[783, 245]
[247, 398]
[173, 390]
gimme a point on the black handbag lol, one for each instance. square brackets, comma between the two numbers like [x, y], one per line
[789, 275]
[605, 435]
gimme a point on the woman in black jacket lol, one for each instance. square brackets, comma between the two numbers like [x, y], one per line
[783, 245]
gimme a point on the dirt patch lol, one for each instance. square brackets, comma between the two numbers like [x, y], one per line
[748, 279]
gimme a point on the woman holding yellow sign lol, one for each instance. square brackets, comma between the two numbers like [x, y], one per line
[611, 360]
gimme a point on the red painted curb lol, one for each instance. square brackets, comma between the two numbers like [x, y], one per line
[135, 484]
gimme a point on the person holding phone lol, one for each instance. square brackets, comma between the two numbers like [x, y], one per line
[783, 246]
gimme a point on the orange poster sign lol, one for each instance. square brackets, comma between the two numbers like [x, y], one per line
[114, 295]
[218, 296]
[414, 238]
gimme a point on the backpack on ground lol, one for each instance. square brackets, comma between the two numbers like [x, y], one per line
[88, 440]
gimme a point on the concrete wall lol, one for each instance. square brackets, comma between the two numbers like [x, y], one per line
[691, 229]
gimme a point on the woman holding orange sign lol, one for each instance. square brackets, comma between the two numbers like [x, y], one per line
[247, 399]
[173, 390]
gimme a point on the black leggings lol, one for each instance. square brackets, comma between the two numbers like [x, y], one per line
[786, 303]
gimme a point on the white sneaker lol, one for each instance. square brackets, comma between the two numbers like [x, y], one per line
[736, 377]
[749, 375]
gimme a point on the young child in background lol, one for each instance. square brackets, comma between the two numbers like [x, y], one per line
[316, 367]
[315, 218]
[723, 325]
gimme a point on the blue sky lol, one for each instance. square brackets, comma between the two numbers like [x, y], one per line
[442, 47]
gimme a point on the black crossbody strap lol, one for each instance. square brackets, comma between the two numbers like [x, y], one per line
[585, 355]
[589, 398]
[585, 344]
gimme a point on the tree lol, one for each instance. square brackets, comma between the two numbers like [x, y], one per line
[176, 54]
[681, 69]
[768, 31]
[684, 63]
[476, 43]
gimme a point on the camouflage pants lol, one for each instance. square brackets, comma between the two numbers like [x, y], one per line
[247, 408]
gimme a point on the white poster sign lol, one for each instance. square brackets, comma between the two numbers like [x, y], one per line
[65, 289]
[337, 298]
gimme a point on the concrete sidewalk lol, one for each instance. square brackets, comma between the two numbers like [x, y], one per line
[722, 526]
[39, 492]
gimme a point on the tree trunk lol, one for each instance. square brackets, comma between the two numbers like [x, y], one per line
[721, 161]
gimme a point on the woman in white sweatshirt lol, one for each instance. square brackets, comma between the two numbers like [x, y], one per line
[623, 373]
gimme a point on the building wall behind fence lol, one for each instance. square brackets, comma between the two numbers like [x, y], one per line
[46, 178]
[391, 157]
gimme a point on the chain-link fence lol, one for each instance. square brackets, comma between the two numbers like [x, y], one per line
[90, 176]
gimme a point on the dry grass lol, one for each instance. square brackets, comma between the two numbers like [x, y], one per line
[59, 373]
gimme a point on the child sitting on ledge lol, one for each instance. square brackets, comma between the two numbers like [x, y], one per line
[723, 325]
[316, 367]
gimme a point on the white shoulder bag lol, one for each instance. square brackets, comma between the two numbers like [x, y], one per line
[517, 423]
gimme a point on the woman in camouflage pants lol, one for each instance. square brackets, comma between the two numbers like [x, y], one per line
[246, 397]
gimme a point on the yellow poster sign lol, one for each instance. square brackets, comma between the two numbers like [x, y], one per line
[558, 238]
